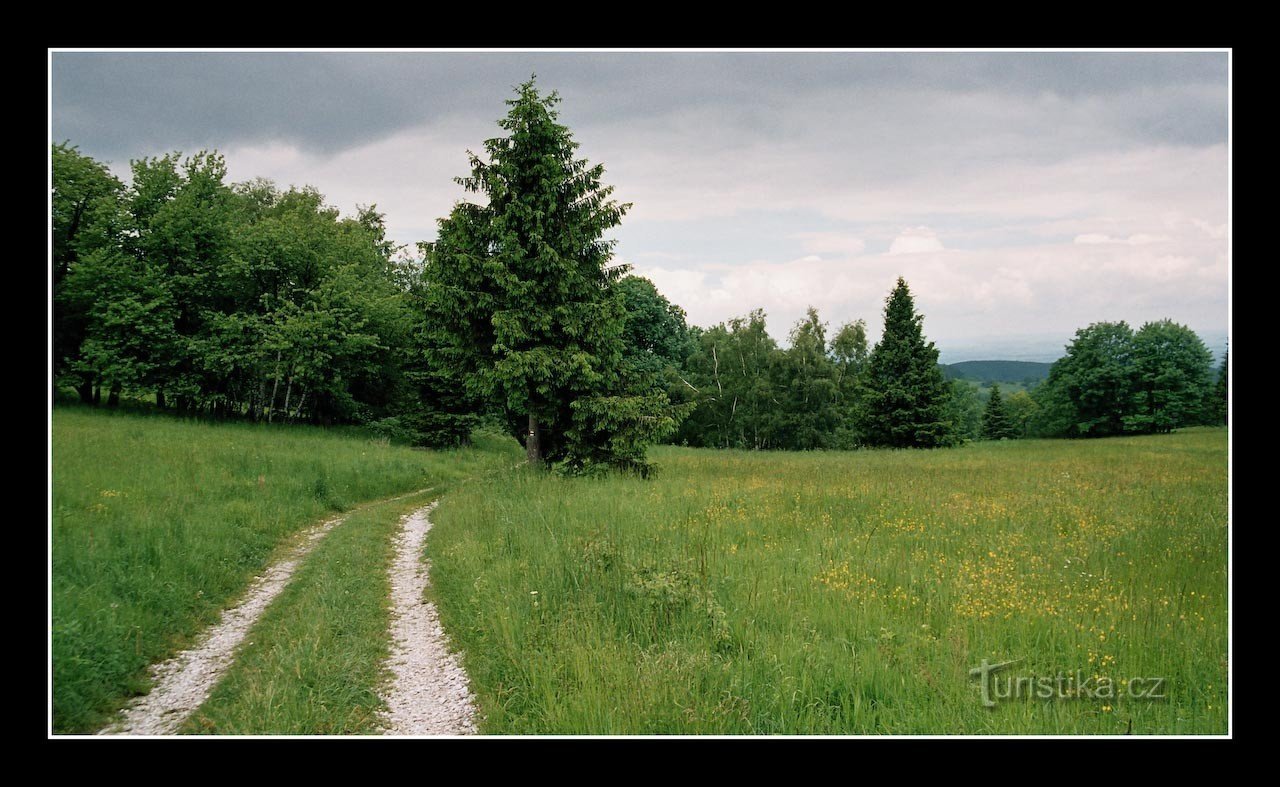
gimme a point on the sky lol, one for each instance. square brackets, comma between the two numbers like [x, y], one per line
[1022, 195]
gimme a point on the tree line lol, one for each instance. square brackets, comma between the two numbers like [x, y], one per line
[242, 300]
[823, 391]
[226, 299]
[245, 300]
[1114, 380]
[833, 392]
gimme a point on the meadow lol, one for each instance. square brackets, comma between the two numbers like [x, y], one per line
[159, 523]
[849, 593]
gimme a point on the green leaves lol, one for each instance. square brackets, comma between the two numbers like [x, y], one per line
[1114, 380]
[233, 299]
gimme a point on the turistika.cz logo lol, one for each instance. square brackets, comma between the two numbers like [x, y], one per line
[996, 685]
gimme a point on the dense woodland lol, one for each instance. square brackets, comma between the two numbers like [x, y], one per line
[243, 300]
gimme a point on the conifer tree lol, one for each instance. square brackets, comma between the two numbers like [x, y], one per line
[996, 424]
[905, 394]
[523, 303]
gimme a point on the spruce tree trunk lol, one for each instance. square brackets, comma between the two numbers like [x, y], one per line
[85, 390]
[533, 442]
[97, 395]
[160, 399]
[113, 398]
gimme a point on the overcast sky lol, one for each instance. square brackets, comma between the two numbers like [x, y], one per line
[1022, 195]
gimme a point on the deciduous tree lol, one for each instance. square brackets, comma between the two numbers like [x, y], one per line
[1171, 373]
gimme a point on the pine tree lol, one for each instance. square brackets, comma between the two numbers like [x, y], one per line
[523, 303]
[906, 394]
[996, 424]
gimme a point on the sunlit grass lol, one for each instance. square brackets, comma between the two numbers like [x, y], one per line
[846, 592]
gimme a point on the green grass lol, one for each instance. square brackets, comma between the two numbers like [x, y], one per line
[846, 592]
[314, 662]
[160, 523]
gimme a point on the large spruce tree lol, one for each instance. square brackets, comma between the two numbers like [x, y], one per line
[905, 396]
[523, 303]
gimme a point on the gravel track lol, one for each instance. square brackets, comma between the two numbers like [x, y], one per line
[429, 693]
[182, 683]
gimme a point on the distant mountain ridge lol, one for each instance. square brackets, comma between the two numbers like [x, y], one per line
[997, 371]
[1041, 348]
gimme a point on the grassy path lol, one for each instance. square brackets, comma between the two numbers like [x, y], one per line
[315, 661]
[160, 524]
[183, 682]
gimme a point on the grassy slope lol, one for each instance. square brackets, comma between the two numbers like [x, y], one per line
[159, 523]
[845, 592]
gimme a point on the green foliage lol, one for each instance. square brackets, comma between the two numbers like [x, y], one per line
[656, 339]
[232, 300]
[612, 432]
[733, 370]
[996, 423]
[1216, 408]
[808, 388]
[1172, 369]
[1092, 386]
[521, 302]
[1115, 381]
[964, 410]
[849, 353]
[905, 399]
[84, 222]
[1022, 411]
[753, 394]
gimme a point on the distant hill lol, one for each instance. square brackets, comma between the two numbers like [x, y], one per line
[1025, 372]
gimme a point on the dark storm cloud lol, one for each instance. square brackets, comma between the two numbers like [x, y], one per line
[117, 105]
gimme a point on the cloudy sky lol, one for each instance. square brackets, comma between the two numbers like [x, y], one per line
[1022, 195]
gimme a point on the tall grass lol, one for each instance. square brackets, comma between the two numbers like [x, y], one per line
[846, 592]
[159, 523]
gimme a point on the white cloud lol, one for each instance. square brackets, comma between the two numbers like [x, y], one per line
[1212, 230]
[1138, 239]
[966, 293]
[916, 240]
[831, 243]
[1054, 216]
